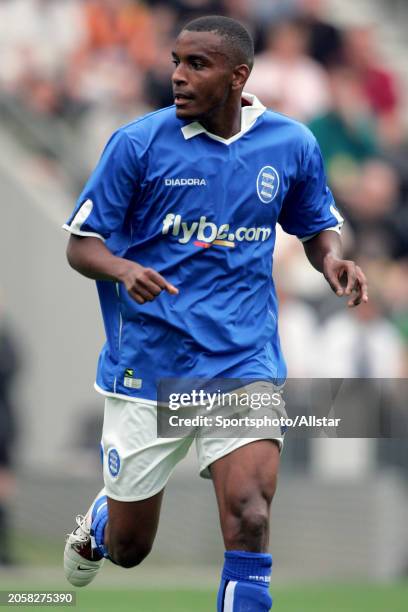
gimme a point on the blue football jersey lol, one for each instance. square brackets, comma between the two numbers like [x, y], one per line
[202, 211]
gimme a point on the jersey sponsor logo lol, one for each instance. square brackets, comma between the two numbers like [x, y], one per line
[206, 233]
[267, 184]
[183, 182]
[113, 462]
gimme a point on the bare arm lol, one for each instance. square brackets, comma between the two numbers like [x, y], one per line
[89, 256]
[324, 252]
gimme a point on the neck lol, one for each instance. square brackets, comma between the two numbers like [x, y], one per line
[225, 121]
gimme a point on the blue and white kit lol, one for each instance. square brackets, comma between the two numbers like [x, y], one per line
[201, 210]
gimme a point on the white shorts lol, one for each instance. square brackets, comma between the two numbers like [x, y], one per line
[137, 464]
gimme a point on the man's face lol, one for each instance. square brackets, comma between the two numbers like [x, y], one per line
[203, 74]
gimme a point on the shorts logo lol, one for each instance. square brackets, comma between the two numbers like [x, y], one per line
[113, 462]
[267, 184]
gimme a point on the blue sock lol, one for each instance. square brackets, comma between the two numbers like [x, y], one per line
[245, 583]
[99, 520]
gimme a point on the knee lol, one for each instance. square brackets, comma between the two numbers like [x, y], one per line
[128, 554]
[246, 524]
[255, 523]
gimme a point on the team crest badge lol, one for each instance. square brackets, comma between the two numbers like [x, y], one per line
[267, 184]
[113, 462]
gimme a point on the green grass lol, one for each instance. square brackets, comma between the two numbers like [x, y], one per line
[146, 601]
[342, 598]
[40, 564]
[29, 549]
[336, 598]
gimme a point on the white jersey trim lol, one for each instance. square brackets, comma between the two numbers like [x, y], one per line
[81, 216]
[122, 396]
[336, 228]
[249, 114]
[77, 232]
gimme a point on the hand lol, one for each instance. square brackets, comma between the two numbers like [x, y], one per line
[145, 284]
[346, 278]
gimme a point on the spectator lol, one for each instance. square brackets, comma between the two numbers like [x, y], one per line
[186, 10]
[362, 343]
[372, 207]
[298, 328]
[158, 88]
[285, 78]
[244, 11]
[273, 11]
[365, 345]
[325, 39]
[346, 133]
[122, 25]
[379, 83]
[395, 289]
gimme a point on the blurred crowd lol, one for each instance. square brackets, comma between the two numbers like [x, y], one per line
[96, 64]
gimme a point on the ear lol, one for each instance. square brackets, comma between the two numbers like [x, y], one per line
[240, 76]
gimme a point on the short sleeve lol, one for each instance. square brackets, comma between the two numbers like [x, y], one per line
[102, 206]
[309, 206]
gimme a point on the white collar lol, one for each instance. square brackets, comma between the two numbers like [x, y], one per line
[249, 114]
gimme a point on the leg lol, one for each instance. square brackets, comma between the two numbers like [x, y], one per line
[131, 529]
[245, 482]
[122, 521]
[136, 467]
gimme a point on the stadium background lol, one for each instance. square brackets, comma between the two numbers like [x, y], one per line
[72, 71]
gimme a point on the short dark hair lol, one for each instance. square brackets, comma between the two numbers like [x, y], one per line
[237, 37]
